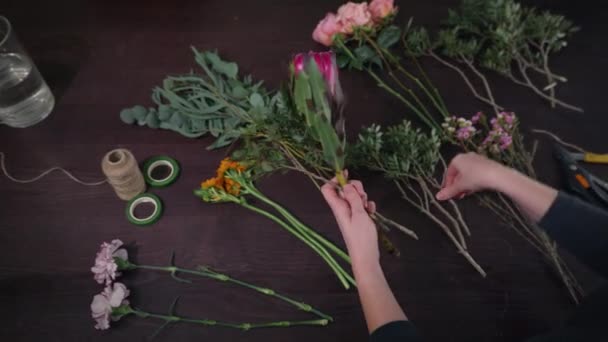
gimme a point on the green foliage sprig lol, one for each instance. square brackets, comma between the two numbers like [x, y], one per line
[501, 36]
[409, 157]
[215, 102]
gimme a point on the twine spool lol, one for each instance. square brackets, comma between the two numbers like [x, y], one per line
[122, 172]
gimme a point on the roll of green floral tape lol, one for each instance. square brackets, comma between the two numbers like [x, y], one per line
[142, 199]
[151, 164]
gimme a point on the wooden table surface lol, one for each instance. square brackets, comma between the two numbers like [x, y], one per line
[102, 56]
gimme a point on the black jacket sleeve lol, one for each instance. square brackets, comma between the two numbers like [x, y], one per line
[398, 331]
[581, 228]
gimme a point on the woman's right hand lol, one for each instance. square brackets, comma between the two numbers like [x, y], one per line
[468, 173]
[352, 211]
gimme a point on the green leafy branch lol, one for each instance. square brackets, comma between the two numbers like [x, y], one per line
[408, 158]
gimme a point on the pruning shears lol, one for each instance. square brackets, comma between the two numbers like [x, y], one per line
[578, 179]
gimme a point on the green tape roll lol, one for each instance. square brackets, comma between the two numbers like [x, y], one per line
[140, 199]
[155, 162]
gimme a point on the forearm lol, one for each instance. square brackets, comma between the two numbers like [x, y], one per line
[379, 304]
[531, 196]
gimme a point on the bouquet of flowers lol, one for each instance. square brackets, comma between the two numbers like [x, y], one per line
[112, 304]
[265, 128]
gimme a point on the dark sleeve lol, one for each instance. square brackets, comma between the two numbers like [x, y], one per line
[581, 228]
[398, 331]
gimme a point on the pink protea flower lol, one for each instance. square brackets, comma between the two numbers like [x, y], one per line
[353, 15]
[326, 29]
[381, 9]
[326, 63]
[105, 268]
[101, 308]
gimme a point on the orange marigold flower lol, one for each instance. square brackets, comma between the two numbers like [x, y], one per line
[209, 183]
[232, 187]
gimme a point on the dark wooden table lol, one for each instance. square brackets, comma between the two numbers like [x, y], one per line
[102, 56]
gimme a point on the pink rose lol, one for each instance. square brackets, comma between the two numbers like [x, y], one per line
[381, 8]
[326, 29]
[104, 270]
[353, 15]
[103, 304]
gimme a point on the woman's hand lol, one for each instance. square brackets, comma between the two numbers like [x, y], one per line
[468, 173]
[352, 211]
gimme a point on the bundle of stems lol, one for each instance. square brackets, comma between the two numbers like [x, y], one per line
[202, 271]
[233, 184]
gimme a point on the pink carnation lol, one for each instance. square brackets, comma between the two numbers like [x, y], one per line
[104, 270]
[381, 8]
[103, 304]
[326, 29]
[353, 15]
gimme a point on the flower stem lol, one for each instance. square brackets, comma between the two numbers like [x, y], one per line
[298, 224]
[241, 326]
[208, 273]
[428, 121]
[338, 270]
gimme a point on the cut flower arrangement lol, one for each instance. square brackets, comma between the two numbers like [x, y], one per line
[267, 130]
[112, 304]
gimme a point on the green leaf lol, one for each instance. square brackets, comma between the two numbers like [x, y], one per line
[319, 90]
[342, 60]
[256, 100]
[389, 36]
[229, 69]
[239, 92]
[364, 53]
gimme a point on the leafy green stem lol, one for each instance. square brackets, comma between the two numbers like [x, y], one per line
[209, 273]
[241, 326]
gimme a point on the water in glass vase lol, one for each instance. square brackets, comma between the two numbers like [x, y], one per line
[25, 99]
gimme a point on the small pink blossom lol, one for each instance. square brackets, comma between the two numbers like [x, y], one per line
[505, 141]
[104, 270]
[103, 304]
[353, 15]
[326, 29]
[465, 133]
[381, 8]
[477, 117]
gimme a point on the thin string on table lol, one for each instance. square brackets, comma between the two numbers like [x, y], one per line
[56, 168]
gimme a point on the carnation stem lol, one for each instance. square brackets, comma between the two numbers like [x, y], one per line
[241, 326]
[208, 273]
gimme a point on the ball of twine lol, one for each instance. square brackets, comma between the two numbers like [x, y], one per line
[122, 172]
